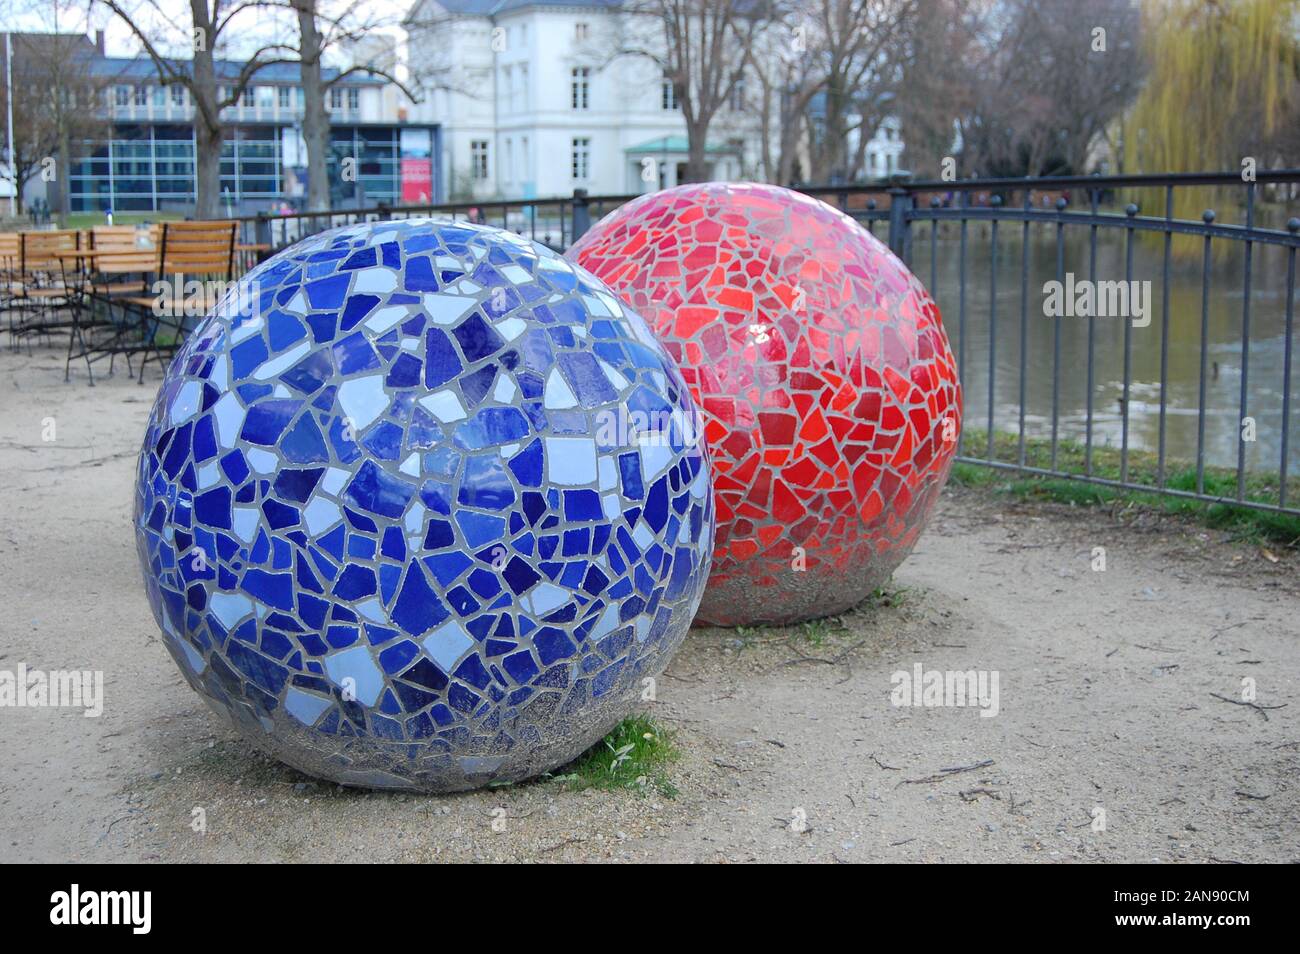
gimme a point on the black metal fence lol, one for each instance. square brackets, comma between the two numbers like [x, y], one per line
[555, 222]
[962, 236]
[1112, 206]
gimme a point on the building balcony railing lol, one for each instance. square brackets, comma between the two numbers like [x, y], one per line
[171, 113]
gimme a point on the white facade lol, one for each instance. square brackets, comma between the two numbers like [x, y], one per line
[535, 100]
[533, 103]
[884, 150]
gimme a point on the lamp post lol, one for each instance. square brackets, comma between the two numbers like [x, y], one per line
[9, 104]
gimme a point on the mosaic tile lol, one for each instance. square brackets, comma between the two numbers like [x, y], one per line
[383, 523]
[828, 388]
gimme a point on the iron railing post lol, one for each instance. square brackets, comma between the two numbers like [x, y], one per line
[581, 220]
[262, 236]
[900, 225]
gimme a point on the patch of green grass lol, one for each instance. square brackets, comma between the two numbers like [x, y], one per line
[86, 220]
[635, 755]
[816, 631]
[745, 637]
[1143, 468]
[972, 475]
[891, 595]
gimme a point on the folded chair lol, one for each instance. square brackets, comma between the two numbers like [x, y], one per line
[187, 251]
[118, 264]
[36, 293]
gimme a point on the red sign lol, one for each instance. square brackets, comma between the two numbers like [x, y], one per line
[417, 181]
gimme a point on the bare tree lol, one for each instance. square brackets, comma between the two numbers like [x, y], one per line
[788, 80]
[861, 45]
[317, 33]
[58, 105]
[1047, 78]
[936, 89]
[702, 47]
[210, 24]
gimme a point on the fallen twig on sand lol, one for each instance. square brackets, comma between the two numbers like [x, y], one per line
[1262, 710]
[947, 773]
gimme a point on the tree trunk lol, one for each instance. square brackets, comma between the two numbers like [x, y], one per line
[207, 120]
[789, 151]
[207, 167]
[765, 131]
[697, 163]
[315, 118]
[64, 180]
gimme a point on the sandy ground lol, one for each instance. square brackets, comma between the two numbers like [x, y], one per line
[1109, 701]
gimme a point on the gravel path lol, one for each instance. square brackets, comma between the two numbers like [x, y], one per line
[1118, 701]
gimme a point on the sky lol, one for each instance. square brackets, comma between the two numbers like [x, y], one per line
[170, 19]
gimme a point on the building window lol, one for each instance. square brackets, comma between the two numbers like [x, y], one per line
[354, 99]
[478, 158]
[668, 95]
[510, 160]
[178, 95]
[284, 96]
[581, 31]
[250, 96]
[523, 87]
[142, 96]
[581, 87]
[523, 159]
[336, 98]
[581, 158]
[738, 97]
[122, 96]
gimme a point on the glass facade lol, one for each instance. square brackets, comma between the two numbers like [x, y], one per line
[150, 167]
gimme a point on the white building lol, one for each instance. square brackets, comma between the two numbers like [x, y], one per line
[534, 102]
[884, 149]
[536, 98]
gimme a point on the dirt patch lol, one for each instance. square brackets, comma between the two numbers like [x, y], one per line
[1119, 693]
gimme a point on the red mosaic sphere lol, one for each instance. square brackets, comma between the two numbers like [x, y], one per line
[829, 390]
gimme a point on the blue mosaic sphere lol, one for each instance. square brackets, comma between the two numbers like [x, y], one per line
[421, 505]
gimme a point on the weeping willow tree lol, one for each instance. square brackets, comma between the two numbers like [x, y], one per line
[1221, 82]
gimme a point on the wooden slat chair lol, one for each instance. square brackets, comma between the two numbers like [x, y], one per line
[9, 242]
[187, 250]
[8, 253]
[119, 262]
[37, 293]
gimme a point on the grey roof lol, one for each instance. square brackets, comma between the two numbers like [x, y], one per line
[141, 69]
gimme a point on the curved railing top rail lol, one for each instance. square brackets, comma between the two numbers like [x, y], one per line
[905, 183]
[451, 207]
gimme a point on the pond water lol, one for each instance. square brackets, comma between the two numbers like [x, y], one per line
[1224, 375]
